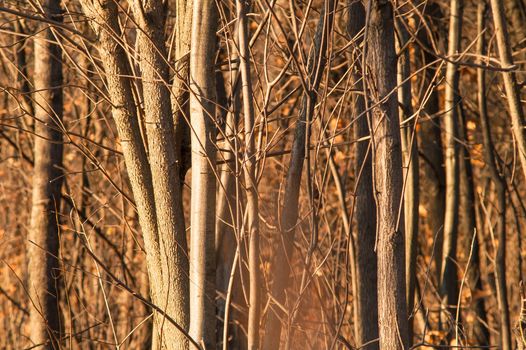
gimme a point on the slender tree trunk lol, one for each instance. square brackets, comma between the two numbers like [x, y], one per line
[411, 167]
[202, 110]
[180, 94]
[448, 272]
[479, 329]
[366, 313]
[43, 249]
[388, 178]
[510, 80]
[500, 187]
[289, 211]
[433, 180]
[165, 170]
[250, 176]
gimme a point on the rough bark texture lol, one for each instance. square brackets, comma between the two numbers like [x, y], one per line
[202, 108]
[167, 188]
[388, 178]
[289, 211]
[43, 246]
[116, 67]
[366, 313]
[448, 272]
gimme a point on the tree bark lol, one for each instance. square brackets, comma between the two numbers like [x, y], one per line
[106, 26]
[366, 313]
[388, 177]
[448, 272]
[43, 247]
[202, 110]
[500, 187]
[166, 181]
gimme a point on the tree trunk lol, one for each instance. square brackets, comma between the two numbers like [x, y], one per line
[366, 313]
[250, 177]
[388, 177]
[289, 211]
[433, 180]
[164, 169]
[180, 94]
[124, 112]
[510, 80]
[448, 272]
[202, 111]
[500, 187]
[411, 167]
[43, 248]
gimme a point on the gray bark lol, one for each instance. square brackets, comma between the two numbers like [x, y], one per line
[151, 17]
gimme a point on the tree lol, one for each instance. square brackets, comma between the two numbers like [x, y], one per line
[202, 109]
[366, 313]
[410, 160]
[448, 272]
[510, 81]
[250, 176]
[388, 177]
[43, 247]
[164, 268]
[500, 187]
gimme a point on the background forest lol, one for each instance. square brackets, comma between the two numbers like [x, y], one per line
[237, 174]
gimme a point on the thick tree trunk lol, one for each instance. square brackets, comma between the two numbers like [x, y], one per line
[43, 248]
[510, 80]
[289, 211]
[366, 304]
[164, 169]
[388, 177]
[203, 134]
[124, 112]
[448, 272]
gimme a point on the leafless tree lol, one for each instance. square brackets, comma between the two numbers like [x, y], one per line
[43, 245]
